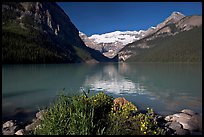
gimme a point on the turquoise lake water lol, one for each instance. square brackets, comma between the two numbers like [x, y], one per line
[166, 87]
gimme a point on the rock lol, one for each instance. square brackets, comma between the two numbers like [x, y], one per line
[188, 122]
[121, 101]
[33, 125]
[182, 132]
[168, 118]
[182, 115]
[183, 120]
[175, 125]
[167, 124]
[8, 124]
[21, 132]
[8, 132]
[197, 119]
[39, 115]
[174, 118]
[9, 128]
[188, 111]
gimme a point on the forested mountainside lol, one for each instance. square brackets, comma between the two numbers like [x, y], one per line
[41, 32]
[174, 41]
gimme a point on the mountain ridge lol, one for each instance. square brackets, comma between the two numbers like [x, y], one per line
[112, 42]
[33, 32]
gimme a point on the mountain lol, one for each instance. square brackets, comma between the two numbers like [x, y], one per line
[41, 32]
[177, 39]
[110, 43]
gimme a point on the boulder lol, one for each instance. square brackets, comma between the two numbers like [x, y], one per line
[188, 111]
[182, 115]
[21, 132]
[168, 118]
[9, 128]
[175, 125]
[39, 115]
[121, 101]
[182, 132]
[8, 124]
[33, 125]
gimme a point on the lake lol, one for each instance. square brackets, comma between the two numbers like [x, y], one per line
[166, 87]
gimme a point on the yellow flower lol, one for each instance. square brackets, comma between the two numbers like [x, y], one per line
[141, 129]
[126, 116]
[155, 132]
[143, 125]
[94, 100]
[145, 132]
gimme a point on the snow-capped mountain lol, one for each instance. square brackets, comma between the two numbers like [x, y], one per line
[123, 37]
[111, 43]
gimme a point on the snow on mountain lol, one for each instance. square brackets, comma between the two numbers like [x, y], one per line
[111, 43]
[124, 37]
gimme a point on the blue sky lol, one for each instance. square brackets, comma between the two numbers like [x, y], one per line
[102, 17]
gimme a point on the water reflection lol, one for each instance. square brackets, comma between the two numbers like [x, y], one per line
[166, 87]
[109, 80]
[171, 86]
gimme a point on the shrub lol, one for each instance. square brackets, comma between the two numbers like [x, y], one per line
[88, 114]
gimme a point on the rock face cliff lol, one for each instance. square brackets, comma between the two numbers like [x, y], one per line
[177, 39]
[41, 32]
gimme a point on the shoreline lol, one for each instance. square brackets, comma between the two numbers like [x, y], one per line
[184, 122]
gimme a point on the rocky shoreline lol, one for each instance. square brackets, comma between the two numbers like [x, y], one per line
[185, 122]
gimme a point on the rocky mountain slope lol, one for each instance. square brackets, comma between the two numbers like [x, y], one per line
[41, 32]
[177, 39]
[111, 43]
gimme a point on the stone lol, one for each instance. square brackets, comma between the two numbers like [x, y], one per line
[197, 119]
[183, 120]
[21, 132]
[167, 124]
[190, 126]
[14, 128]
[9, 128]
[174, 118]
[182, 132]
[8, 124]
[121, 101]
[8, 132]
[188, 111]
[39, 115]
[175, 125]
[168, 118]
[183, 115]
[33, 125]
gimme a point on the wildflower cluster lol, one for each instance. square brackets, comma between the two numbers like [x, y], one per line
[95, 115]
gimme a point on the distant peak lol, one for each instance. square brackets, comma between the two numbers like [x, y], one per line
[176, 13]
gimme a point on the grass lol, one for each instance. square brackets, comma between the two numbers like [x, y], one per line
[94, 114]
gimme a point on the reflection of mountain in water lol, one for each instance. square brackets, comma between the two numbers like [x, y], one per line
[175, 85]
[109, 80]
[164, 86]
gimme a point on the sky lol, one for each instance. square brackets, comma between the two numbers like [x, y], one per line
[102, 17]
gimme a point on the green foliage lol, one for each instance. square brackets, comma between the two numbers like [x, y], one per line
[77, 115]
[88, 114]
[129, 121]
[183, 47]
